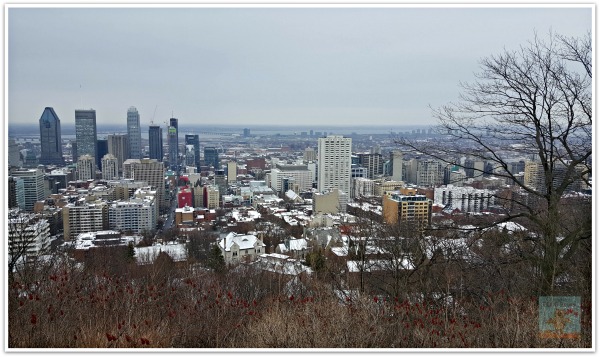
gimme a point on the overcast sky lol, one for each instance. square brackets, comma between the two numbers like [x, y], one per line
[333, 66]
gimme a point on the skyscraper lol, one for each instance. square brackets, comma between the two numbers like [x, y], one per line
[85, 133]
[85, 168]
[173, 136]
[134, 132]
[50, 138]
[118, 145]
[102, 149]
[33, 186]
[396, 169]
[192, 139]
[110, 167]
[155, 138]
[211, 157]
[334, 168]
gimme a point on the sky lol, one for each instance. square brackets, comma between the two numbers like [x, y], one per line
[260, 65]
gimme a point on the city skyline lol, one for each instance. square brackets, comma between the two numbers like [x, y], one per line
[339, 65]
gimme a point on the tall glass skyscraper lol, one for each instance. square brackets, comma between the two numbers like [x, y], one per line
[134, 132]
[50, 139]
[85, 133]
[173, 136]
[211, 157]
[155, 142]
[193, 139]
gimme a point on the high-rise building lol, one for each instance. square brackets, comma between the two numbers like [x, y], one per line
[193, 139]
[334, 167]
[33, 186]
[152, 172]
[373, 162]
[118, 146]
[102, 149]
[110, 167]
[231, 172]
[84, 217]
[211, 157]
[50, 139]
[430, 173]
[399, 207]
[396, 165]
[85, 133]
[134, 133]
[86, 168]
[155, 142]
[173, 141]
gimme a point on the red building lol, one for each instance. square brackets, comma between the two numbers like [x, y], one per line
[185, 197]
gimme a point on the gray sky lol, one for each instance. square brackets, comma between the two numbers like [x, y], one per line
[318, 66]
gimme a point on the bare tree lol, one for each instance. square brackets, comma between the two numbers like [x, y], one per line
[25, 238]
[533, 102]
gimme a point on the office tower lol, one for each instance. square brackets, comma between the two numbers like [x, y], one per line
[153, 172]
[118, 146]
[334, 165]
[13, 183]
[193, 139]
[190, 157]
[173, 141]
[50, 139]
[102, 149]
[33, 186]
[396, 169]
[246, 132]
[134, 133]
[74, 151]
[155, 139]
[85, 133]
[373, 162]
[231, 172]
[86, 168]
[110, 167]
[220, 181]
[211, 157]
[430, 173]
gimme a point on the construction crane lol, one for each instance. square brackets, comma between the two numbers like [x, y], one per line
[152, 120]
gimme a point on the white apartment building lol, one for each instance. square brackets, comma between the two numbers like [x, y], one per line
[110, 167]
[83, 217]
[466, 199]
[299, 174]
[136, 215]
[27, 235]
[86, 168]
[334, 163]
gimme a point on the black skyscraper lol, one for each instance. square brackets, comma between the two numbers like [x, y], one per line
[173, 136]
[50, 139]
[211, 157]
[155, 145]
[193, 139]
[102, 149]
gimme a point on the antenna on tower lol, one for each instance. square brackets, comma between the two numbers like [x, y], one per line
[80, 97]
